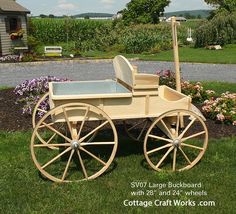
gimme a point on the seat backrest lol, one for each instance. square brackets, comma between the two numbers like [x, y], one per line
[124, 70]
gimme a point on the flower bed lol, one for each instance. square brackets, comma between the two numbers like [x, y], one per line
[30, 91]
[9, 58]
[222, 109]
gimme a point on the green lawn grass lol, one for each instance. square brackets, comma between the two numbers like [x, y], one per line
[4, 87]
[201, 55]
[219, 87]
[186, 54]
[23, 190]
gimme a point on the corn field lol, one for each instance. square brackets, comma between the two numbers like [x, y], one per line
[60, 30]
[103, 35]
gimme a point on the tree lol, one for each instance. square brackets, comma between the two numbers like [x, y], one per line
[229, 5]
[51, 16]
[42, 16]
[144, 11]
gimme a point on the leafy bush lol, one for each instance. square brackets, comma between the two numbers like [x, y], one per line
[196, 91]
[30, 91]
[143, 38]
[222, 109]
[219, 30]
[32, 42]
[28, 57]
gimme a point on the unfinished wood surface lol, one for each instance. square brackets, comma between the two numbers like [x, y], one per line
[60, 165]
[174, 24]
[178, 149]
[38, 108]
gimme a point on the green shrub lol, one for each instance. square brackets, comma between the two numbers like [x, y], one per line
[219, 30]
[28, 57]
[32, 42]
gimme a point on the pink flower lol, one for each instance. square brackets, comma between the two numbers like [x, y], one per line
[220, 117]
[210, 92]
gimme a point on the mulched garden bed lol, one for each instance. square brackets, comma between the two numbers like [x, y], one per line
[11, 118]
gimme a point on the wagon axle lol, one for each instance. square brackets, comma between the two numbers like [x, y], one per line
[75, 144]
[176, 142]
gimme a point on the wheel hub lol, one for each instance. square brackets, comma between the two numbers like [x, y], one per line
[176, 142]
[75, 144]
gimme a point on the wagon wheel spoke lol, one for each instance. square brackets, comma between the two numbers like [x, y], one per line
[55, 158]
[193, 136]
[136, 129]
[43, 126]
[185, 156]
[42, 110]
[67, 165]
[82, 123]
[67, 121]
[92, 155]
[53, 145]
[51, 138]
[82, 165]
[159, 148]
[135, 125]
[187, 127]
[166, 128]
[177, 125]
[164, 157]
[192, 146]
[174, 159]
[97, 143]
[143, 129]
[57, 132]
[44, 142]
[93, 131]
[160, 138]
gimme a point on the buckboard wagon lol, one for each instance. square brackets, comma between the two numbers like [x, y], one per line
[77, 139]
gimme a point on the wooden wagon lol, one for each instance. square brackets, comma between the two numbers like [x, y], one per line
[77, 139]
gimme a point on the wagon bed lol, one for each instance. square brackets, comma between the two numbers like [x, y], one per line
[88, 90]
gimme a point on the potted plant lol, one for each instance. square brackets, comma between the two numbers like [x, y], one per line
[17, 35]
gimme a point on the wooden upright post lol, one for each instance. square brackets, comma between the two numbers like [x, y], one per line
[176, 53]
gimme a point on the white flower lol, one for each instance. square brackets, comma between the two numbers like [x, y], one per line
[220, 117]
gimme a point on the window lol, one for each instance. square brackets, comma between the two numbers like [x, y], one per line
[12, 24]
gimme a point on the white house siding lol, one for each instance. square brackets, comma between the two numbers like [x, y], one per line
[6, 43]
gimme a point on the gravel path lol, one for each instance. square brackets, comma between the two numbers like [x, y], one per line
[13, 74]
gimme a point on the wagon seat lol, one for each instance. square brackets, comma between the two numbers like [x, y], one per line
[138, 83]
[142, 84]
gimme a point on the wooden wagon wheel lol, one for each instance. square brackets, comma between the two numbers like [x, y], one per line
[181, 147]
[36, 117]
[76, 158]
[37, 109]
[136, 129]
